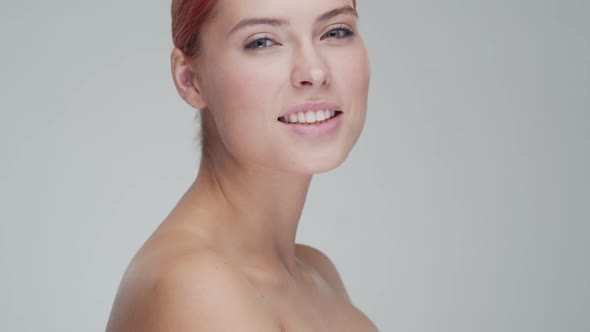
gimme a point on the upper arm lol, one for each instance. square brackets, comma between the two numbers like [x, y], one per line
[202, 293]
[324, 266]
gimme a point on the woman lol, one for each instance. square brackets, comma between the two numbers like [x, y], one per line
[282, 89]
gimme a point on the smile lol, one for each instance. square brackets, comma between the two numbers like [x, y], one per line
[309, 117]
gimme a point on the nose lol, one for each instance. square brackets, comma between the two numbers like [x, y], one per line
[310, 69]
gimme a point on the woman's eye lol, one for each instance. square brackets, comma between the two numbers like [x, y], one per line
[338, 33]
[259, 43]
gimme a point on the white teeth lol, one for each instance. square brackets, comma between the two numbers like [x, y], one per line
[320, 116]
[309, 117]
[301, 117]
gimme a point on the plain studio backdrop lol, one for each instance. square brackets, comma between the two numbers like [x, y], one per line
[463, 207]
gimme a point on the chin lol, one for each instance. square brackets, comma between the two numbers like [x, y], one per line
[320, 162]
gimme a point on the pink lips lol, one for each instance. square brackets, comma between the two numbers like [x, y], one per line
[315, 129]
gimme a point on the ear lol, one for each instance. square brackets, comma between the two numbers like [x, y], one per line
[185, 80]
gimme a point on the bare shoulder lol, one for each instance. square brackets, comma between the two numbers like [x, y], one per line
[198, 290]
[324, 266]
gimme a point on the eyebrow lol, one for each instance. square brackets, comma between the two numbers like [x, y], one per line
[276, 22]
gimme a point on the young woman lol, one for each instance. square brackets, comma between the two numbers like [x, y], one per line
[282, 89]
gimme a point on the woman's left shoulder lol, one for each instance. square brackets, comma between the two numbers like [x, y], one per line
[326, 268]
[323, 265]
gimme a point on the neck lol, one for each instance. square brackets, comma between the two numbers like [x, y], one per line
[257, 209]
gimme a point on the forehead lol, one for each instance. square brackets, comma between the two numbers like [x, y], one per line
[232, 11]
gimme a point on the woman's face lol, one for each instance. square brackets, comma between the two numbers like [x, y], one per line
[265, 59]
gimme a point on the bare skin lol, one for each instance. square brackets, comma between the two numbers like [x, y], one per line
[225, 259]
[186, 264]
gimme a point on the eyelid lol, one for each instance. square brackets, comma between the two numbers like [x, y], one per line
[338, 26]
[256, 37]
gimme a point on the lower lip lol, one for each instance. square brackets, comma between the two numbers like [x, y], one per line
[316, 129]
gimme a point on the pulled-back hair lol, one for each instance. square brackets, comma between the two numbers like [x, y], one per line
[188, 16]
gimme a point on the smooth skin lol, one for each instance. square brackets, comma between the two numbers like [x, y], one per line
[225, 259]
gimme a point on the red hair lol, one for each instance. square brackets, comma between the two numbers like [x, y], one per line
[188, 16]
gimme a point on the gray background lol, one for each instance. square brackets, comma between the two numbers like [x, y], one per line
[464, 206]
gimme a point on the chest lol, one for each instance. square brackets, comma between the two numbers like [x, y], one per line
[300, 312]
[344, 319]
[309, 304]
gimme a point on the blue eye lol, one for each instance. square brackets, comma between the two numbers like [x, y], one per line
[338, 33]
[259, 43]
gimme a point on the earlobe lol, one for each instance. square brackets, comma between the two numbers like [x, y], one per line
[185, 80]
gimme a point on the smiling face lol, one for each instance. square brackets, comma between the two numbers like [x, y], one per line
[265, 59]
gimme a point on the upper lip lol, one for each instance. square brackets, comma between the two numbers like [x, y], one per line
[312, 106]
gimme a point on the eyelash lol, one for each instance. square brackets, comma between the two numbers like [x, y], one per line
[253, 44]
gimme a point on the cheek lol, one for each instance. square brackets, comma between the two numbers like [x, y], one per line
[354, 72]
[244, 103]
[352, 75]
[247, 88]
